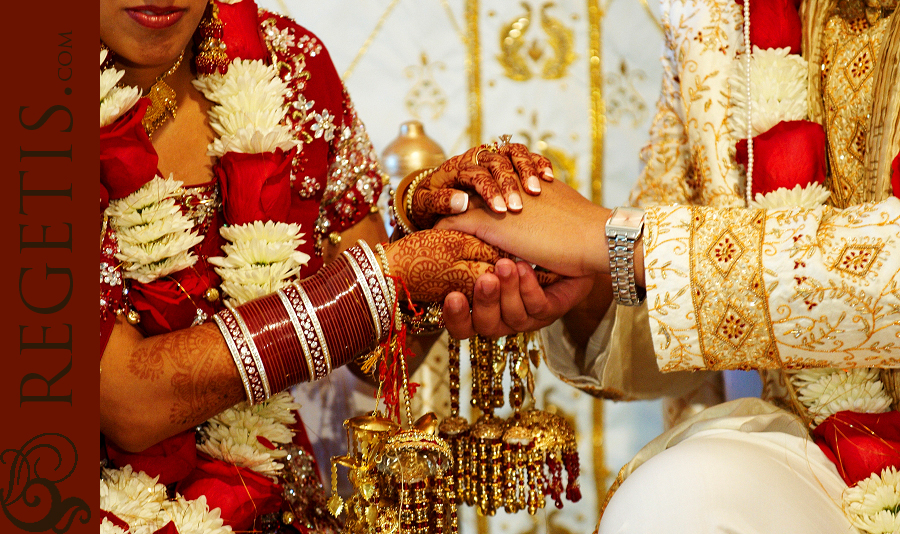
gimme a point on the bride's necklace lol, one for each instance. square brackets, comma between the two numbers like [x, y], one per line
[163, 100]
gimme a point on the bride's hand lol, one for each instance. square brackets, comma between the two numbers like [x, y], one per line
[497, 175]
[434, 263]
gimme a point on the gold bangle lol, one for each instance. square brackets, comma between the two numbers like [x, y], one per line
[403, 198]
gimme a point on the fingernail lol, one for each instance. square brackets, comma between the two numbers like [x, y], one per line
[515, 201]
[548, 173]
[489, 289]
[504, 270]
[453, 305]
[499, 205]
[533, 184]
[459, 202]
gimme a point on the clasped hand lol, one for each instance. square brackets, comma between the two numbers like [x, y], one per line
[468, 257]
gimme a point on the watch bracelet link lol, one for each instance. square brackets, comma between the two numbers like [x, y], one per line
[621, 269]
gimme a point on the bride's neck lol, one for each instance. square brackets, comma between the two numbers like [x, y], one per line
[144, 77]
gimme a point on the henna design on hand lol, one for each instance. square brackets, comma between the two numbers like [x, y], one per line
[203, 382]
[434, 263]
[495, 177]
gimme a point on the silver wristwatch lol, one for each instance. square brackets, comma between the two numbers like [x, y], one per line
[623, 228]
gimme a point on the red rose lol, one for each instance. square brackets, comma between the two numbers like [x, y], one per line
[171, 303]
[241, 494]
[791, 153]
[114, 519]
[895, 175]
[775, 24]
[255, 186]
[171, 459]
[127, 158]
[860, 444]
[168, 528]
[241, 32]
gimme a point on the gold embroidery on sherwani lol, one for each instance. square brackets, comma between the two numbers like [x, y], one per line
[729, 298]
[851, 53]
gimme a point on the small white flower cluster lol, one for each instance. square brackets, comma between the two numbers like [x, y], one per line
[114, 100]
[873, 504]
[232, 435]
[778, 88]
[137, 499]
[155, 237]
[811, 196]
[260, 259]
[825, 392]
[250, 109]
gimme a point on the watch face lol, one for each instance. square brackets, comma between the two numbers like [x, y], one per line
[625, 221]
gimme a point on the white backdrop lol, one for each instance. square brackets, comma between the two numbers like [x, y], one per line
[576, 80]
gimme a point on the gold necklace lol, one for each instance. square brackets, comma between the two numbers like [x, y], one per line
[163, 100]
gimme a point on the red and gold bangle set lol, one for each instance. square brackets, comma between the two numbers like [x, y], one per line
[303, 331]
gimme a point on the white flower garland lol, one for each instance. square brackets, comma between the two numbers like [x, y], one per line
[155, 237]
[232, 435]
[114, 100]
[249, 118]
[140, 501]
[825, 392]
[250, 110]
[873, 504]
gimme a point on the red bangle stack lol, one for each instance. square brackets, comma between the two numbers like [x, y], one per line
[305, 330]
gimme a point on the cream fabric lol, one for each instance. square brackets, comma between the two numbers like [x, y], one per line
[778, 289]
[750, 478]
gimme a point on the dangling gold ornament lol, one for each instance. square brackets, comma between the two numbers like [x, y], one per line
[507, 463]
[397, 473]
[133, 317]
[163, 101]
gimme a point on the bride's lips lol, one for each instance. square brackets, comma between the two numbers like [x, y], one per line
[155, 17]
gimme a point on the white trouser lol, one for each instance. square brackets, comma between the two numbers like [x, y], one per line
[731, 482]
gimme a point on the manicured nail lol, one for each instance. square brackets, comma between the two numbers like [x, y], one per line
[499, 205]
[459, 202]
[515, 201]
[548, 173]
[533, 184]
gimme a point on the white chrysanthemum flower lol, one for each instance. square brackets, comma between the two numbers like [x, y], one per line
[873, 504]
[232, 435]
[269, 231]
[134, 497]
[108, 79]
[249, 141]
[155, 237]
[273, 276]
[107, 527]
[153, 192]
[778, 88]
[248, 455]
[195, 517]
[279, 408]
[260, 259]
[825, 392]
[811, 196]
[250, 109]
[114, 101]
